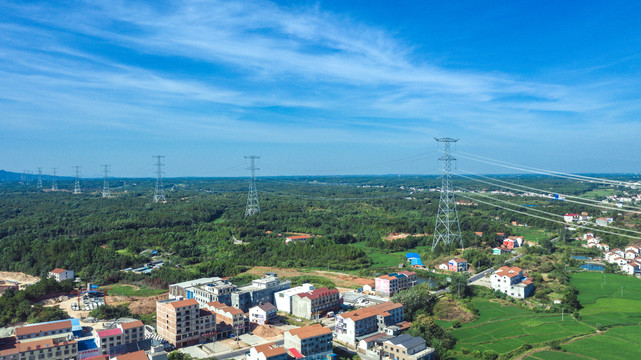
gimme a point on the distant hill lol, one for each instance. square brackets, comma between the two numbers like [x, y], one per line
[9, 176]
[14, 176]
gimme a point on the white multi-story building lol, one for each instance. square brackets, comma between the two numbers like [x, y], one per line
[370, 320]
[283, 299]
[512, 282]
[314, 342]
[61, 274]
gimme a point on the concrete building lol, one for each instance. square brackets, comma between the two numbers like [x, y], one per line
[124, 338]
[457, 265]
[45, 348]
[229, 320]
[407, 347]
[314, 304]
[354, 325]
[204, 290]
[390, 284]
[262, 313]
[260, 291]
[314, 342]
[283, 299]
[57, 330]
[183, 322]
[267, 352]
[512, 282]
[61, 274]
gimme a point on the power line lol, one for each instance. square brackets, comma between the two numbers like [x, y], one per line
[490, 161]
[596, 205]
[547, 219]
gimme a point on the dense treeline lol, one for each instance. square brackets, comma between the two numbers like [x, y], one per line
[196, 229]
[19, 306]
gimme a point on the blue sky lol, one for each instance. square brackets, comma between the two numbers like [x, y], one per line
[318, 87]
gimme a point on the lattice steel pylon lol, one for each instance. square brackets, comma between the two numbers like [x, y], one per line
[159, 191]
[447, 228]
[76, 188]
[39, 186]
[54, 182]
[106, 193]
[253, 207]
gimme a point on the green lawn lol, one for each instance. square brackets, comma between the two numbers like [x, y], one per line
[380, 259]
[129, 290]
[504, 328]
[530, 233]
[608, 299]
[617, 343]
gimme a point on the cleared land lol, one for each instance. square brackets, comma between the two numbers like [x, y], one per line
[21, 278]
[339, 279]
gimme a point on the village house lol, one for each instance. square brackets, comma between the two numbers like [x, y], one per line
[316, 303]
[512, 282]
[229, 320]
[267, 352]
[314, 342]
[353, 325]
[407, 347]
[513, 242]
[183, 322]
[61, 274]
[283, 299]
[390, 284]
[262, 313]
[457, 265]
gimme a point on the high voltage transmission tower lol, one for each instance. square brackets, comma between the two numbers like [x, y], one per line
[76, 188]
[159, 191]
[447, 228]
[252, 198]
[39, 186]
[54, 183]
[106, 193]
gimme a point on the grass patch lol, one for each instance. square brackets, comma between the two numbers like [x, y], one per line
[503, 328]
[608, 299]
[617, 343]
[317, 281]
[131, 290]
[552, 355]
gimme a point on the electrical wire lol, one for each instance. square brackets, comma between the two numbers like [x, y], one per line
[551, 220]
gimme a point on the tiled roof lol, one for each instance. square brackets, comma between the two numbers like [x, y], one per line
[37, 328]
[316, 293]
[310, 331]
[267, 307]
[58, 271]
[183, 303]
[110, 332]
[370, 311]
[459, 260]
[270, 350]
[138, 355]
[131, 325]
[216, 304]
[41, 344]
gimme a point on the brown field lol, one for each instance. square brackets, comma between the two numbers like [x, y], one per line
[341, 280]
[22, 278]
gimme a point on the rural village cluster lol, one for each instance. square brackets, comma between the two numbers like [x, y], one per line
[201, 313]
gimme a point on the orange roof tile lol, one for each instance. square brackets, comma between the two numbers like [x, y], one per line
[37, 328]
[310, 331]
[270, 350]
[131, 325]
[183, 303]
[370, 311]
[58, 271]
[138, 355]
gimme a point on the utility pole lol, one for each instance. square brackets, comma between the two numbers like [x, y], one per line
[54, 183]
[253, 207]
[447, 228]
[106, 193]
[562, 308]
[39, 186]
[76, 188]
[159, 191]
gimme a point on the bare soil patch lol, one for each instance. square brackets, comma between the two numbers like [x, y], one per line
[22, 278]
[396, 236]
[268, 331]
[340, 279]
[450, 310]
[137, 305]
